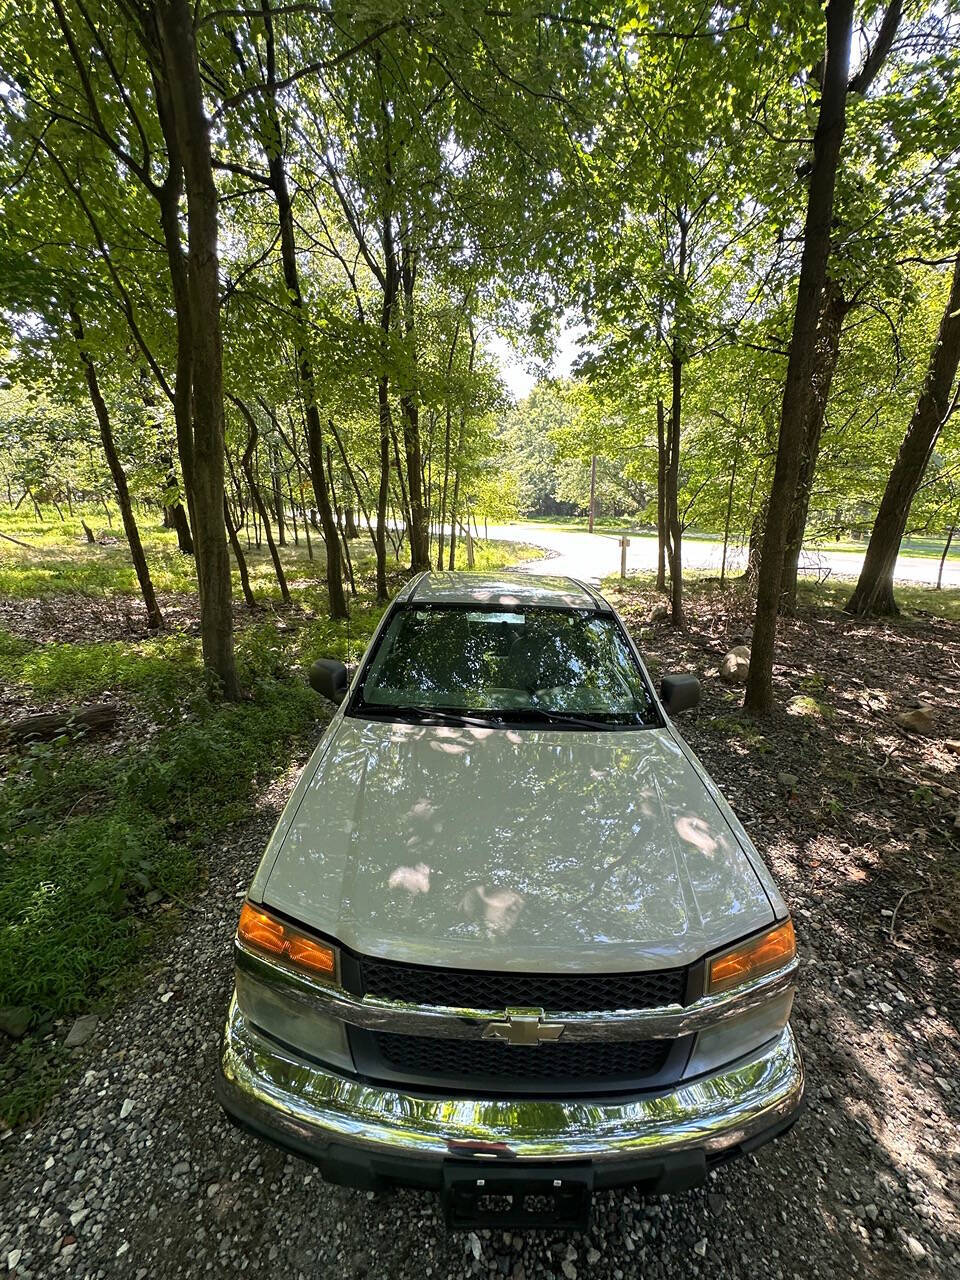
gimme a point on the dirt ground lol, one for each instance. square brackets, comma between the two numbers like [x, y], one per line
[133, 1170]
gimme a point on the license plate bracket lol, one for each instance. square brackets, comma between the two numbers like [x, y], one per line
[487, 1195]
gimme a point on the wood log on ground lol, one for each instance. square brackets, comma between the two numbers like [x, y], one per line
[97, 718]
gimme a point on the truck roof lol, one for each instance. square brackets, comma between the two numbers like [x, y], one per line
[502, 589]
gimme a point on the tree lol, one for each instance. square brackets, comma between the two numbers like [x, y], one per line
[172, 46]
[813, 269]
[874, 590]
[154, 616]
[101, 131]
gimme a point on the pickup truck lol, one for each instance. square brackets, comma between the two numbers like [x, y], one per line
[508, 941]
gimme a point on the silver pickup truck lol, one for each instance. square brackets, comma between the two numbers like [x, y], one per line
[508, 941]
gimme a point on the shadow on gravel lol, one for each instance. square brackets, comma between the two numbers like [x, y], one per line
[855, 816]
[133, 1171]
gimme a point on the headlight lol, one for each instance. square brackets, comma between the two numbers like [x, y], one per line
[271, 937]
[749, 960]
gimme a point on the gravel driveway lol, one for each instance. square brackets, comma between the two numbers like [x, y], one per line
[134, 1172]
[594, 556]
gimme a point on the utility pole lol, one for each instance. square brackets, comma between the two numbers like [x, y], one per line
[593, 488]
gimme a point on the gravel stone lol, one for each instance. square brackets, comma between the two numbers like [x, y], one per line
[144, 1182]
[915, 1249]
[81, 1031]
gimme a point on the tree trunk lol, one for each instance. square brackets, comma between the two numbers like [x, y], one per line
[447, 432]
[199, 357]
[946, 549]
[674, 550]
[100, 717]
[293, 511]
[272, 141]
[246, 463]
[410, 408]
[348, 512]
[240, 558]
[276, 479]
[833, 312]
[873, 593]
[341, 526]
[174, 515]
[181, 524]
[729, 512]
[154, 616]
[813, 269]
[661, 500]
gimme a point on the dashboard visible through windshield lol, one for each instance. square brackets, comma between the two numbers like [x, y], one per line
[533, 665]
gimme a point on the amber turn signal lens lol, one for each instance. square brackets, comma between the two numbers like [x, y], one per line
[753, 959]
[264, 933]
[312, 955]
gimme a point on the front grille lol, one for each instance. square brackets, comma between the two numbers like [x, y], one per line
[548, 1064]
[561, 993]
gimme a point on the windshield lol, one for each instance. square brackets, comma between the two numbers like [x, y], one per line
[533, 664]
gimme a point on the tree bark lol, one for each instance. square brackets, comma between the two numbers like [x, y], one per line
[729, 513]
[447, 432]
[833, 312]
[199, 388]
[946, 549]
[827, 142]
[154, 616]
[276, 482]
[661, 499]
[341, 525]
[873, 593]
[410, 408]
[458, 460]
[288, 254]
[246, 463]
[97, 718]
[174, 515]
[240, 558]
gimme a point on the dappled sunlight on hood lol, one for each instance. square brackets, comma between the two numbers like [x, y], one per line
[497, 909]
[435, 843]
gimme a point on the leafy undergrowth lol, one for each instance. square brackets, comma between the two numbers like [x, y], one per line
[102, 839]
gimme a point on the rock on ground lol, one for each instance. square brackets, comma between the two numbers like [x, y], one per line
[735, 665]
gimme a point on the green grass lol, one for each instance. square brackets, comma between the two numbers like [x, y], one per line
[634, 527]
[613, 526]
[832, 594]
[921, 548]
[912, 599]
[89, 828]
[59, 560]
[86, 833]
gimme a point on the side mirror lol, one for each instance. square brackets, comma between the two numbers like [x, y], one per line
[679, 693]
[329, 677]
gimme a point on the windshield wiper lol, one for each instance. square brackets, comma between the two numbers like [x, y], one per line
[577, 718]
[423, 714]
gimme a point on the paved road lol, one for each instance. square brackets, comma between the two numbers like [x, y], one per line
[592, 556]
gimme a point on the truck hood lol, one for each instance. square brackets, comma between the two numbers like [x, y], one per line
[514, 850]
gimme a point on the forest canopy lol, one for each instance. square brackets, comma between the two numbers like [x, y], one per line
[257, 262]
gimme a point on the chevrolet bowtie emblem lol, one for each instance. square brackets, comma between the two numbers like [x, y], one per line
[523, 1026]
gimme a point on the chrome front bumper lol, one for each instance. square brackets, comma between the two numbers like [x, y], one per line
[344, 1124]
